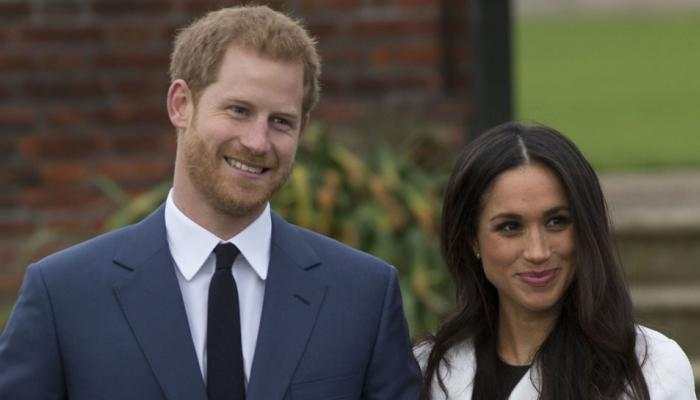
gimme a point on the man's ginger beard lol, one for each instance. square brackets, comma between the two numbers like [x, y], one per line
[205, 168]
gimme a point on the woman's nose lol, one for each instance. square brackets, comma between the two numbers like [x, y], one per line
[537, 249]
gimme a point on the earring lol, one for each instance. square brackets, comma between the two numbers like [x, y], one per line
[477, 254]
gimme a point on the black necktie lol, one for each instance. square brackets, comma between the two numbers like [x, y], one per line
[225, 376]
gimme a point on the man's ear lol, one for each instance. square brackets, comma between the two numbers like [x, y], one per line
[180, 104]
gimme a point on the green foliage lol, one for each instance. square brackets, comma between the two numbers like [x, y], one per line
[5, 310]
[381, 202]
[133, 209]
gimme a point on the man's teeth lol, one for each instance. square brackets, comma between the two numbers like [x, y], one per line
[243, 167]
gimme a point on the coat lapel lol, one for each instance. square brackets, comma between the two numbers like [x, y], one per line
[152, 303]
[290, 307]
[459, 377]
[526, 389]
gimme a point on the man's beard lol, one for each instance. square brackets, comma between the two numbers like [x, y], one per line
[204, 170]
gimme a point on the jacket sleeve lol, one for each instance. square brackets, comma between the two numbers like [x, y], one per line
[393, 373]
[30, 362]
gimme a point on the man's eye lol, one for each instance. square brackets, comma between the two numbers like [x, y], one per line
[282, 123]
[238, 110]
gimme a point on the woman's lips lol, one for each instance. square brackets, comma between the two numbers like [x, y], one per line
[539, 278]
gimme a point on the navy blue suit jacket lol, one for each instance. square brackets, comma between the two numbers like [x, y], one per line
[105, 320]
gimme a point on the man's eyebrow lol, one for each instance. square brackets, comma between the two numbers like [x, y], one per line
[290, 114]
[233, 99]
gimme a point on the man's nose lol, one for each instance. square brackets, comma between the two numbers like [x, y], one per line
[255, 138]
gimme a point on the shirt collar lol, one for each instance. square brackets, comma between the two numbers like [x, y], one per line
[191, 244]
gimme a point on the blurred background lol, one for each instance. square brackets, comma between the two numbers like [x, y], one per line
[86, 144]
[620, 78]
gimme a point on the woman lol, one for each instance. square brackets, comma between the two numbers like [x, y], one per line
[543, 311]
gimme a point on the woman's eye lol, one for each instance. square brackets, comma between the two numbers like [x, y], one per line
[558, 222]
[509, 227]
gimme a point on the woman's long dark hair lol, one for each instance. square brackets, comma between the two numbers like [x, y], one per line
[590, 352]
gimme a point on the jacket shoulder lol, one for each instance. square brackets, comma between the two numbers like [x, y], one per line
[137, 240]
[457, 356]
[343, 255]
[665, 366]
[652, 344]
[90, 252]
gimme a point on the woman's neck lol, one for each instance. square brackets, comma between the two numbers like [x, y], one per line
[520, 334]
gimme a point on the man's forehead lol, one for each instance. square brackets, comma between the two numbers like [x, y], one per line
[264, 53]
[246, 76]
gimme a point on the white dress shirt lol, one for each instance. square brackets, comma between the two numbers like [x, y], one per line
[192, 248]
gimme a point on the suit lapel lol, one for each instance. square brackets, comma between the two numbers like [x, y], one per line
[290, 307]
[151, 301]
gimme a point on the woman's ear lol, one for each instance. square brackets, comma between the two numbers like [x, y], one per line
[180, 104]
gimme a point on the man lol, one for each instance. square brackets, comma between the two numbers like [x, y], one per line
[213, 296]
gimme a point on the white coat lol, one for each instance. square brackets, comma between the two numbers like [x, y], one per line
[666, 370]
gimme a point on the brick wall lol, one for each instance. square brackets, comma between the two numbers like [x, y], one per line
[83, 89]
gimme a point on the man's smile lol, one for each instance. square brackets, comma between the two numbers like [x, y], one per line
[244, 167]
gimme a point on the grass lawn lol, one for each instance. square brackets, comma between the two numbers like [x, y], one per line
[625, 88]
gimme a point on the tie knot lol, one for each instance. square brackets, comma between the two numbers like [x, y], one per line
[226, 254]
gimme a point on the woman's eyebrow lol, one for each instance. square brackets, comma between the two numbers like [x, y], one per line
[505, 215]
[556, 210]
